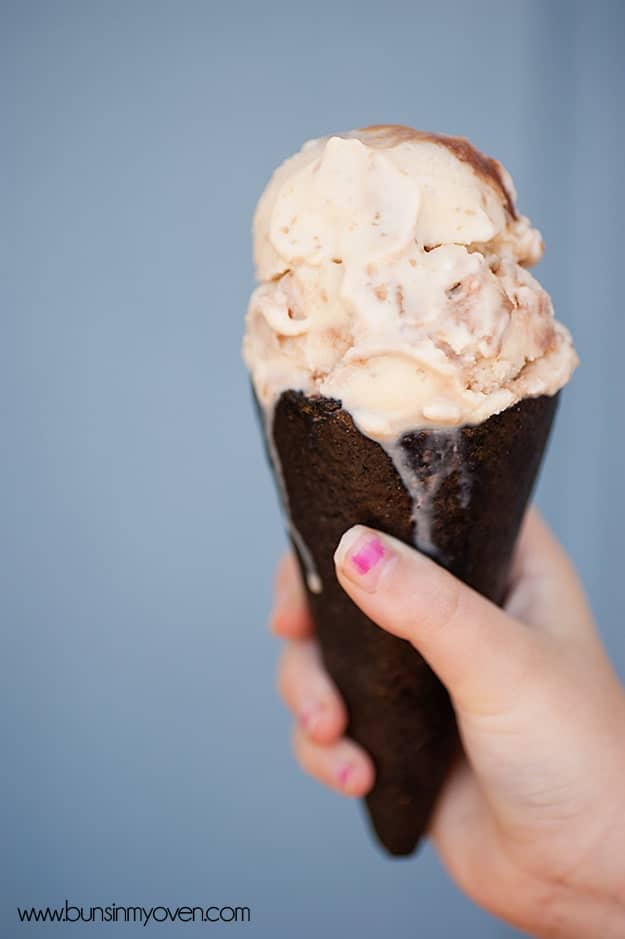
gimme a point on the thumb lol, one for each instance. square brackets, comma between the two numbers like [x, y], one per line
[481, 654]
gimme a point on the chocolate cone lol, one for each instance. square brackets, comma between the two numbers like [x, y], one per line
[474, 483]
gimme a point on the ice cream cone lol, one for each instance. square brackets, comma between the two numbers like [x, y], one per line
[407, 366]
[475, 483]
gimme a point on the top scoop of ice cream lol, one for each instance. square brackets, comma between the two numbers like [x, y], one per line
[392, 277]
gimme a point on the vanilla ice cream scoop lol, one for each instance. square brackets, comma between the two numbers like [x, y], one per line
[391, 268]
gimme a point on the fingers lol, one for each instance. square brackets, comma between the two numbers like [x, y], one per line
[544, 589]
[480, 653]
[309, 693]
[290, 617]
[344, 766]
[320, 748]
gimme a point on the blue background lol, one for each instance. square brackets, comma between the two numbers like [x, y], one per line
[145, 756]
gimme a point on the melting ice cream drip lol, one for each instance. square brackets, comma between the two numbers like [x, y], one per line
[313, 579]
[444, 457]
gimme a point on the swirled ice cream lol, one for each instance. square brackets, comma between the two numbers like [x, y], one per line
[392, 277]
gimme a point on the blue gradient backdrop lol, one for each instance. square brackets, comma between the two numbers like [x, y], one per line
[145, 756]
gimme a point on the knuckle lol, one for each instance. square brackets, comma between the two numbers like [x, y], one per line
[439, 616]
[281, 624]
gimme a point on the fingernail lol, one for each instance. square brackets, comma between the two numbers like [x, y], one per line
[308, 716]
[347, 778]
[343, 773]
[362, 556]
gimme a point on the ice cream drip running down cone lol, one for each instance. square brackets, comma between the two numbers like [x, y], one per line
[406, 368]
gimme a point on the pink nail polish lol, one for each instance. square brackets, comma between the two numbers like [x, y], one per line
[309, 716]
[362, 557]
[367, 555]
[344, 774]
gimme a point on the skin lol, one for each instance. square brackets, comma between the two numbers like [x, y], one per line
[531, 823]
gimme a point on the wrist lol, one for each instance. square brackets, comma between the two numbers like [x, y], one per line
[590, 901]
[593, 903]
[574, 914]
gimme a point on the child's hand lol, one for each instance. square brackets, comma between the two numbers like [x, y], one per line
[531, 824]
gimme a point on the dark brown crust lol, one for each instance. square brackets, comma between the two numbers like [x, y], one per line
[336, 477]
[485, 166]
